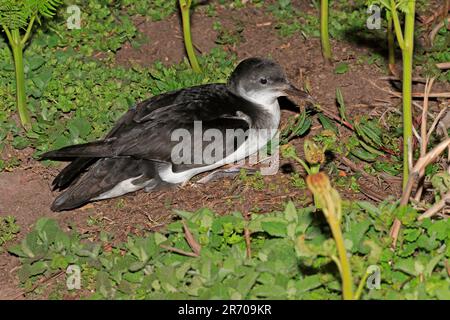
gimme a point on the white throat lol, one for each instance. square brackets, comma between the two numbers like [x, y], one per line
[267, 100]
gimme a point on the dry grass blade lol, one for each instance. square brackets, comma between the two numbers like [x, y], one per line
[423, 132]
[413, 176]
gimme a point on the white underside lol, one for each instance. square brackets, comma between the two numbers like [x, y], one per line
[122, 188]
[269, 103]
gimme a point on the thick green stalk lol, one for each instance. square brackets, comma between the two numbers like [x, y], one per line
[390, 40]
[331, 205]
[185, 12]
[407, 51]
[17, 49]
[347, 282]
[396, 21]
[324, 35]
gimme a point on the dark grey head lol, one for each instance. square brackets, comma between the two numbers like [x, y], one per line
[261, 80]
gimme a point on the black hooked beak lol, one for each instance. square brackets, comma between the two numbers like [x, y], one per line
[294, 91]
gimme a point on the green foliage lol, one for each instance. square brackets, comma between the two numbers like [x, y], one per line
[15, 14]
[341, 68]
[346, 20]
[8, 230]
[296, 127]
[155, 9]
[76, 99]
[291, 256]
[226, 36]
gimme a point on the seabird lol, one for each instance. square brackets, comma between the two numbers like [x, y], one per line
[139, 152]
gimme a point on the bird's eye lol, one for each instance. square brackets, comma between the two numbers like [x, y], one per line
[263, 80]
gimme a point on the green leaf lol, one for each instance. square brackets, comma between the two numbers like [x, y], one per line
[104, 285]
[440, 228]
[79, 127]
[35, 62]
[37, 268]
[432, 264]
[309, 283]
[327, 123]
[341, 68]
[20, 142]
[276, 229]
[341, 104]
[356, 235]
[290, 213]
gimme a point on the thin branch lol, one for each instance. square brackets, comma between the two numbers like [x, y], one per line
[432, 95]
[435, 208]
[8, 34]
[443, 65]
[435, 122]
[397, 27]
[28, 32]
[185, 253]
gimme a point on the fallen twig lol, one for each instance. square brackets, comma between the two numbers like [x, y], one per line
[432, 95]
[443, 65]
[436, 207]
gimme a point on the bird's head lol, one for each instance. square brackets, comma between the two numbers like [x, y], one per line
[262, 81]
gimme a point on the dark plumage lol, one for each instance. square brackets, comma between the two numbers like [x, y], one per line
[137, 151]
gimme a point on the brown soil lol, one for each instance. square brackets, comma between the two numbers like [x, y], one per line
[25, 193]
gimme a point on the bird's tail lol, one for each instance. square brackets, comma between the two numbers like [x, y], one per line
[102, 177]
[95, 149]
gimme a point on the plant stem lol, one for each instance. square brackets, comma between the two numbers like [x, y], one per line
[17, 49]
[185, 5]
[398, 29]
[324, 35]
[28, 32]
[347, 285]
[361, 286]
[391, 44]
[407, 54]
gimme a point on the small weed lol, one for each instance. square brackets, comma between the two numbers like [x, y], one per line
[228, 36]
[255, 181]
[8, 229]
[298, 181]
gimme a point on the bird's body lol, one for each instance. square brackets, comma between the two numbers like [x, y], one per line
[141, 150]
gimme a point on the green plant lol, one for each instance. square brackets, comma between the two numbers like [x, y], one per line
[296, 127]
[17, 16]
[8, 229]
[405, 39]
[185, 6]
[329, 201]
[324, 34]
